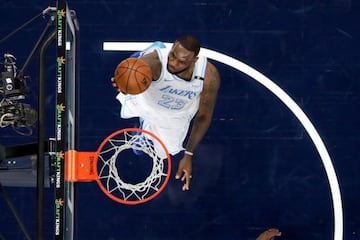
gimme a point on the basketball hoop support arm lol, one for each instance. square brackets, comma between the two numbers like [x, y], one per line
[41, 136]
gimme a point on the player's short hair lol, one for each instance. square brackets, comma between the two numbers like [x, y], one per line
[190, 43]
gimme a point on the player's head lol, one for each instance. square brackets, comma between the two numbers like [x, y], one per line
[190, 43]
[183, 54]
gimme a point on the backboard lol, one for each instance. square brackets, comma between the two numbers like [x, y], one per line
[66, 116]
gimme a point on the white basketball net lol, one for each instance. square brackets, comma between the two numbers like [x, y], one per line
[108, 171]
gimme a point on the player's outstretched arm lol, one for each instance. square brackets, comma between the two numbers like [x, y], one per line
[201, 123]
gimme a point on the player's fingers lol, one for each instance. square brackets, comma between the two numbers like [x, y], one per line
[271, 233]
[178, 174]
[186, 179]
[113, 82]
[186, 185]
[274, 231]
[115, 86]
[184, 173]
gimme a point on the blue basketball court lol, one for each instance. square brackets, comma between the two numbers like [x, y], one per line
[281, 152]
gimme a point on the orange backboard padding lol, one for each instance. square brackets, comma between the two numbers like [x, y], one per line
[80, 166]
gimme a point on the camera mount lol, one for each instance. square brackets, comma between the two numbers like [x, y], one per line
[13, 88]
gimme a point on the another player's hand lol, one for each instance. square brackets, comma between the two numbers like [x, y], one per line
[269, 234]
[184, 171]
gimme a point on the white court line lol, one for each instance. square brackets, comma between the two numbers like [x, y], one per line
[285, 98]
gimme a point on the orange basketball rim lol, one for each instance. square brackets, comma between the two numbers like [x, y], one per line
[101, 166]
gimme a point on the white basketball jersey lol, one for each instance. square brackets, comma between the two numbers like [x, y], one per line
[169, 104]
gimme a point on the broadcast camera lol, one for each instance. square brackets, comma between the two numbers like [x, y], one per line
[13, 88]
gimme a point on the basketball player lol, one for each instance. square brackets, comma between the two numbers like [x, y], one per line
[184, 88]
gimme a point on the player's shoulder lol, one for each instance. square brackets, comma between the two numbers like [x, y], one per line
[151, 56]
[212, 72]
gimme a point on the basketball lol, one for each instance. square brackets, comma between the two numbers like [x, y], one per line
[132, 76]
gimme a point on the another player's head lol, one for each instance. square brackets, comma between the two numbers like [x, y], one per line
[183, 54]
